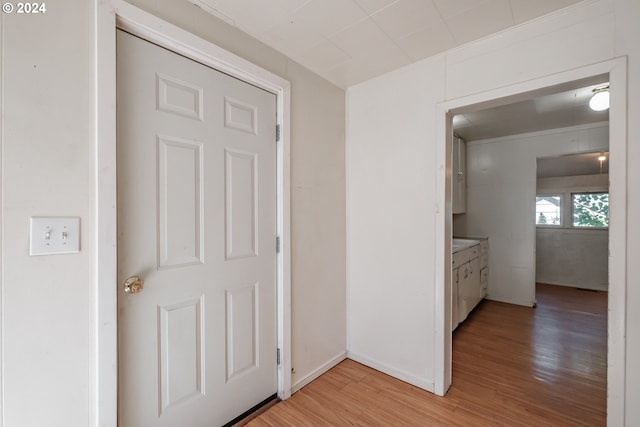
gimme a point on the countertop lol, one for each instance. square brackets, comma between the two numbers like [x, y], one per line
[460, 244]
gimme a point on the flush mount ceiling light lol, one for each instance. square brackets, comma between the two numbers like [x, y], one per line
[600, 99]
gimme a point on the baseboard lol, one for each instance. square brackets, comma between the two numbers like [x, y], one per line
[317, 372]
[511, 301]
[396, 373]
[602, 288]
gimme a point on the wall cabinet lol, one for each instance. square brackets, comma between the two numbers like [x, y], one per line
[459, 176]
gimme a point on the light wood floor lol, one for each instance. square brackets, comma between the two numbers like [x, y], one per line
[512, 366]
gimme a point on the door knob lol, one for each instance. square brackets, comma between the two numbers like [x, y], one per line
[133, 285]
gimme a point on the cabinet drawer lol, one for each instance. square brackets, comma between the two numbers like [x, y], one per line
[459, 258]
[465, 255]
[474, 251]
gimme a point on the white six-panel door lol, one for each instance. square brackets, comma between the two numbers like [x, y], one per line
[197, 223]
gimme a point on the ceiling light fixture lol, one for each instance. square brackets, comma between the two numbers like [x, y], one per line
[600, 99]
[601, 159]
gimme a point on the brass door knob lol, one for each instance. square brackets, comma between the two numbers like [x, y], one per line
[133, 285]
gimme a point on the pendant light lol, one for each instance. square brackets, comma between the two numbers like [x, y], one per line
[600, 99]
[601, 159]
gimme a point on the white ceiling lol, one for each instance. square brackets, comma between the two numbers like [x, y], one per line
[572, 165]
[550, 108]
[350, 41]
[550, 111]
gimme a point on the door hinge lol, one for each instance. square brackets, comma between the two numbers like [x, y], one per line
[277, 133]
[278, 357]
[277, 244]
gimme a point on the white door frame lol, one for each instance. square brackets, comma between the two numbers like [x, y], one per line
[109, 15]
[616, 345]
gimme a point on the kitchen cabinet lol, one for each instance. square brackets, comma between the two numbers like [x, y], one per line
[470, 277]
[459, 176]
[469, 293]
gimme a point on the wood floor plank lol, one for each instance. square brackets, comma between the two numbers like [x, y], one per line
[512, 366]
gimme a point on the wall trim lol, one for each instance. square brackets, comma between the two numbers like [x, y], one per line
[616, 345]
[1, 222]
[568, 285]
[316, 373]
[110, 14]
[396, 373]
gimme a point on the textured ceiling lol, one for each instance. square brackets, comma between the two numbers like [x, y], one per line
[350, 41]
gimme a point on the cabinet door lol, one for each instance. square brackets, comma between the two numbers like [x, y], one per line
[475, 288]
[454, 300]
[464, 296]
[469, 288]
[459, 176]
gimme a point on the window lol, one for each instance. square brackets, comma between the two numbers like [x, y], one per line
[548, 210]
[590, 209]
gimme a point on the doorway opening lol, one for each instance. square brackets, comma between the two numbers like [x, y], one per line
[613, 71]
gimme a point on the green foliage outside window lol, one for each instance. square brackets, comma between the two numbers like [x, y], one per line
[591, 210]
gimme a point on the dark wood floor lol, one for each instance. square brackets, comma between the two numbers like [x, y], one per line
[512, 366]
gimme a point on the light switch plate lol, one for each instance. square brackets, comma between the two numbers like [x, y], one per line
[54, 235]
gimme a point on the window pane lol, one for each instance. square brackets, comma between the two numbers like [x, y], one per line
[548, 210]
[591, 210]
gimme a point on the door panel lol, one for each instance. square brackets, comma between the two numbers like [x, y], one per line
[197, 221]
[180, 204]
[240, 203]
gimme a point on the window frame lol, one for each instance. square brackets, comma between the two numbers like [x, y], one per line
[561, 197]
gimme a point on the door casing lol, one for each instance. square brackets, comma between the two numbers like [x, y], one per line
[117, 13]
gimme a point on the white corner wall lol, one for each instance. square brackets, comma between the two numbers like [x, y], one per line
[501, 189]
[392, 177]
[390, 222]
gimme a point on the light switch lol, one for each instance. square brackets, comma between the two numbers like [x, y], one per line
[54, 235]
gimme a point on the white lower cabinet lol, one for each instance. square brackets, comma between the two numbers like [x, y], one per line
[469, 294]
[470, 279]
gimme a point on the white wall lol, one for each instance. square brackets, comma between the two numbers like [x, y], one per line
[390, 223]
[501, 190]
[391, 175]
[48, 169]
[568, 256]
[575, 258]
